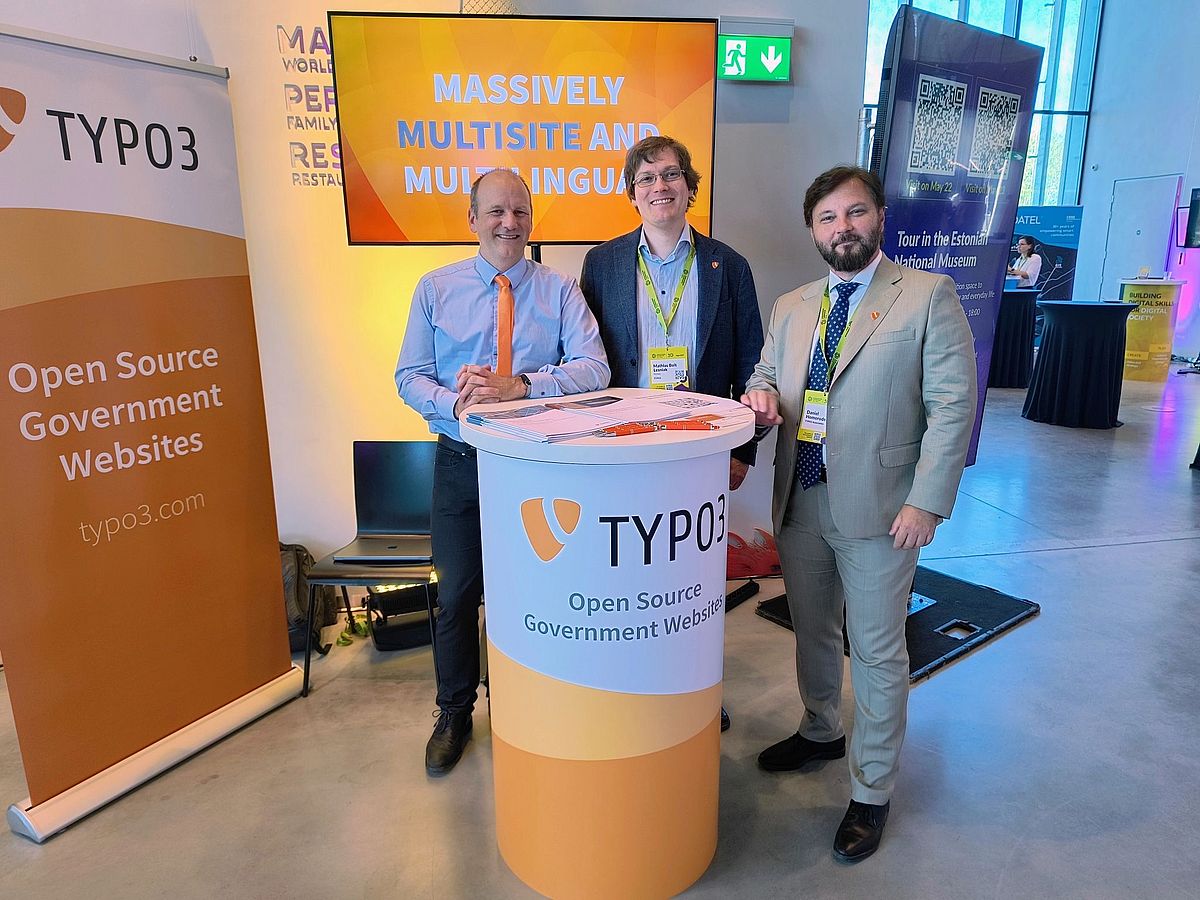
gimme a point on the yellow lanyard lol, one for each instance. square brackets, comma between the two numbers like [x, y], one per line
[830, 361]
[665, 321]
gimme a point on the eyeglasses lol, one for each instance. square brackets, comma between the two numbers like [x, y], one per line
[648, 179]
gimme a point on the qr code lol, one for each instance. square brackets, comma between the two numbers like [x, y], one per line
[687, 402]
[937, 126]
[995, 124]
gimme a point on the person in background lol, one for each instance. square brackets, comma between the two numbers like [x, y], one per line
[1028, 265]
[494, 327]
[677, 309]
[871, 371]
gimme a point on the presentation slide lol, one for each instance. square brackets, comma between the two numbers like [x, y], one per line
[428, 103]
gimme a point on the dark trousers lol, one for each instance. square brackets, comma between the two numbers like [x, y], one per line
[458, 558]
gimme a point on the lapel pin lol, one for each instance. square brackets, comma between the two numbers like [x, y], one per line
[874, 314]
[716, 265]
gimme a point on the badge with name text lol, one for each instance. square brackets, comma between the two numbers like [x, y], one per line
[812, 423]
[668, 367]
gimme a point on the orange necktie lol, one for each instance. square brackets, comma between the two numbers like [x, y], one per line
[504, 327]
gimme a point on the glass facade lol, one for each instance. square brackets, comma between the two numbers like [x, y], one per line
[1067, 31]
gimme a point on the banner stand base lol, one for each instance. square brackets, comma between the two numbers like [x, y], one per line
[63, 810]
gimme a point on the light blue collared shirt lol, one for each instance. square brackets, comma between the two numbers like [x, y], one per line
[453, 322]
[665, 274]
[863, 279]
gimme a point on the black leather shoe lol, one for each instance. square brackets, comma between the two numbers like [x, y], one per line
[793, 752]
[858, 835]
[725, 723]
[450, 736]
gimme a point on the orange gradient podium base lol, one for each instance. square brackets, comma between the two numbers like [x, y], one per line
[604, 570]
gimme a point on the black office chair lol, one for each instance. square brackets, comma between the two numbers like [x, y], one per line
[393, 493]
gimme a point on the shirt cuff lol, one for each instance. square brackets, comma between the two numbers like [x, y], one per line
[445, 405]
[543, 384]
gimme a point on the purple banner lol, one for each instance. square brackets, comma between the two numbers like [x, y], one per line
[955, 108]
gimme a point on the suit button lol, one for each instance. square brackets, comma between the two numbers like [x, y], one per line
[633, 362]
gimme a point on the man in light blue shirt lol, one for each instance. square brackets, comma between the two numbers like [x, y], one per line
[452, 358]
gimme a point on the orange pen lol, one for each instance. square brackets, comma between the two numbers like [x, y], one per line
[686, 425]
[627, 429]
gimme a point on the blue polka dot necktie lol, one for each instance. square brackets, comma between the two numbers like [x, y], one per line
[808, 454]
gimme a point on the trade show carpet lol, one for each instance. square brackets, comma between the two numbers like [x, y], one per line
[947, 618]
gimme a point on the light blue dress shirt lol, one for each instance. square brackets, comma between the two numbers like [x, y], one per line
[453, 322]
[665, 274]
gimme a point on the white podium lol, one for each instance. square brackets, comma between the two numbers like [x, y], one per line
[604, 573]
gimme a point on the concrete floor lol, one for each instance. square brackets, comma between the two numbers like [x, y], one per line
[1059, 761]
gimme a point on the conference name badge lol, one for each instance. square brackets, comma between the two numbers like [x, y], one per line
[812, 423]
[668, 367]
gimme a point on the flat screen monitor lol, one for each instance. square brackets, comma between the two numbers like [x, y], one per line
[1187, 223]
[427, 103]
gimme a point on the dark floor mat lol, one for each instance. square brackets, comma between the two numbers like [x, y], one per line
[947, 618]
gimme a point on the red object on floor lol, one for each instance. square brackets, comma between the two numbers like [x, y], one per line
[754, 558]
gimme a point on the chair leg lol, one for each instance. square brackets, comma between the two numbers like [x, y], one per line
[308, 636]
[349, 612]
[437, 678]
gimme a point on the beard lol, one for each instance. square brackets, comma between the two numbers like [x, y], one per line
[851, 253]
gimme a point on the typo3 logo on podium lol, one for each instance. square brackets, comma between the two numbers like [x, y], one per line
[12, 113]
[124, 141]
[663, 534]
[537, 526]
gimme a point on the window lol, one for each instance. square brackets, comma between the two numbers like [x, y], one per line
[1067, 30]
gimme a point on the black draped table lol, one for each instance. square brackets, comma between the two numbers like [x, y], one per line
[1012, 347]
[1077, 377]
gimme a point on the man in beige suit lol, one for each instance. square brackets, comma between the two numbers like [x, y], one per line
[871, 372]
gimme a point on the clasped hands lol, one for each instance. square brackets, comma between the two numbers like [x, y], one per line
[479, 384]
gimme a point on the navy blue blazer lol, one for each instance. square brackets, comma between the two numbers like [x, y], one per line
[729, 335]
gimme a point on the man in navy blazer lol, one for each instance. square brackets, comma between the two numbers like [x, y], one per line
[675, 308]
[665, 286]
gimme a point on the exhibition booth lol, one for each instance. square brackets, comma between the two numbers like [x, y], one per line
[209, 267]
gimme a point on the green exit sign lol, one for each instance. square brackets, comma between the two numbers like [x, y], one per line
[751, 57]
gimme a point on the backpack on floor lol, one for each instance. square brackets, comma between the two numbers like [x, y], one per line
[296, 561]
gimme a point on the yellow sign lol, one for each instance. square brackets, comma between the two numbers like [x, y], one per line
[1151, 326]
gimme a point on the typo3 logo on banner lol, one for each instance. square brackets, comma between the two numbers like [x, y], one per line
[162, 147]
[12, 112]
[538, 530]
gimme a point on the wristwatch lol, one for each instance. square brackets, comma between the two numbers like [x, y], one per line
[528, 383]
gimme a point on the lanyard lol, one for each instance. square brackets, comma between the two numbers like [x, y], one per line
[665, 321]
[830, 361]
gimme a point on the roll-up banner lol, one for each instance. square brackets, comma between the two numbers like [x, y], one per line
[1151, 327]
[140, 518]
[955, 108]
[1055, 232]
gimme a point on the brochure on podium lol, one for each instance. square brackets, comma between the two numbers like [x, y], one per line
[564, 419]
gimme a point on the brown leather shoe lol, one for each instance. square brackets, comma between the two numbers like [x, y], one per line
[793, 752]
[450, 736]
[858, 835]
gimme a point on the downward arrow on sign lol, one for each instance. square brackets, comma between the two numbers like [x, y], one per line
[771, 59]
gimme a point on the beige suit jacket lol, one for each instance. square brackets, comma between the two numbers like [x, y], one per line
[901, 403]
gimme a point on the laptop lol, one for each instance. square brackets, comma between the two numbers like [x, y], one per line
[393, 494]
[387, 550]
